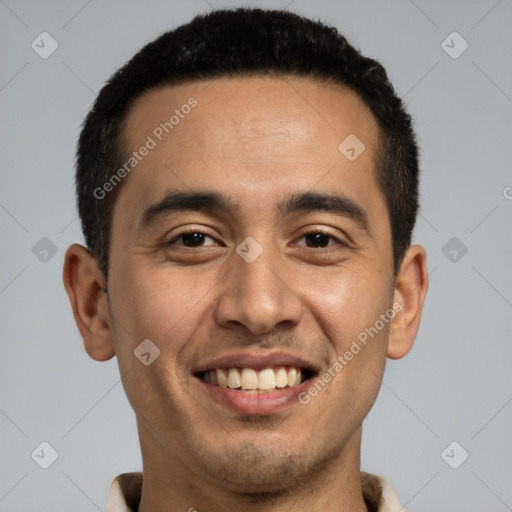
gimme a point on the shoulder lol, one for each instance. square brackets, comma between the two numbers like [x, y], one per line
[378, 494]
[125, 491]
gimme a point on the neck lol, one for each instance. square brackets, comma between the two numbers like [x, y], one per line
[333, 486]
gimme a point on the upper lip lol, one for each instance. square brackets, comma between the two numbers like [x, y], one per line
[256, 361]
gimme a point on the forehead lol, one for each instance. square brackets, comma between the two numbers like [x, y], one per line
[294, 109]
[258, 136]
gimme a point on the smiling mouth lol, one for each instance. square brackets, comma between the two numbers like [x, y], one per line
[249, 380]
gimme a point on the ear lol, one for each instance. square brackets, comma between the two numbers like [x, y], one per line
[84, 283]
[410, 290]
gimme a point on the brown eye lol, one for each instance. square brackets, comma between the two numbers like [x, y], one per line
[193, 238]
[319, 239]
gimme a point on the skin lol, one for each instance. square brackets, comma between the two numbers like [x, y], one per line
[257, 140]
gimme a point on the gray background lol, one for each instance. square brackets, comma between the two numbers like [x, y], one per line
[455, 385]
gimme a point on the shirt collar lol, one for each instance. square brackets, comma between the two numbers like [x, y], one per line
[125, 493]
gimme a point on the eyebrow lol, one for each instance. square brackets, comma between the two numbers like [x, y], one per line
[214, 202]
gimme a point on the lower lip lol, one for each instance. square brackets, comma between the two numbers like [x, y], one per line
[255, 403]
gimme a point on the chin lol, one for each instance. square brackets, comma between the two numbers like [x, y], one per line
[257, 468]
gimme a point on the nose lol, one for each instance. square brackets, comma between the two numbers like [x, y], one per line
[259, 295]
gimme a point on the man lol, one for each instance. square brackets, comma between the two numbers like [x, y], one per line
[248, 186]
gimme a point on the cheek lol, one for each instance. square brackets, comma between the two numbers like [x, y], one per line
[347, 306]
[345, 302]
[166, 309]
[163, 307]
[162, 304]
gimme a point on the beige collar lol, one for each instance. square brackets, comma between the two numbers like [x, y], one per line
[125, 493]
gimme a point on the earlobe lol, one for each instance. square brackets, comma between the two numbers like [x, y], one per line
[410, 291]
[84, 283]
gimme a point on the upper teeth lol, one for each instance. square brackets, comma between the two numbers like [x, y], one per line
[247, 378]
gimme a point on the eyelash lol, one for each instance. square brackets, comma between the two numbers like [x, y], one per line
[311, 232]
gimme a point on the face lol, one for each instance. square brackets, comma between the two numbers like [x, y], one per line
[253, 278]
